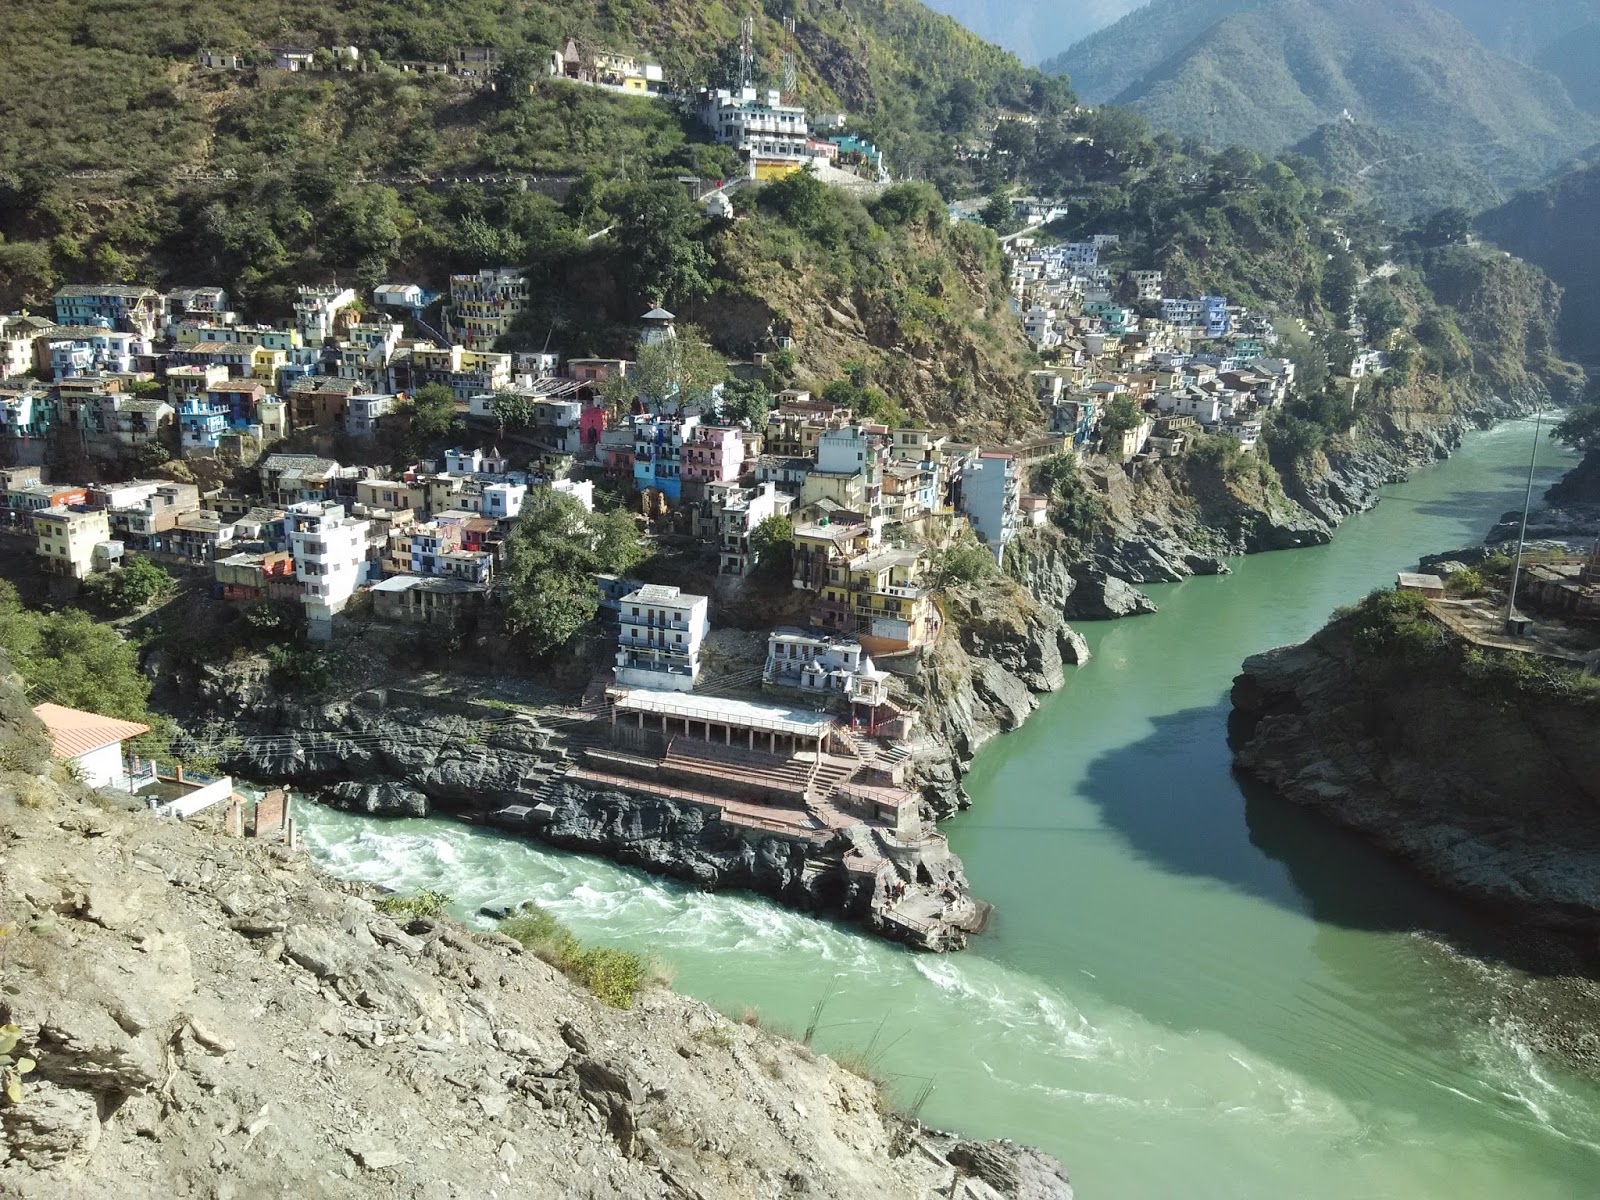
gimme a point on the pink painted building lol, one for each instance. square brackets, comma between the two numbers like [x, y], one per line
[715, 455]
[591, 424]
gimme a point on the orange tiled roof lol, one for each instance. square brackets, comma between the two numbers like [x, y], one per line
[73, 732]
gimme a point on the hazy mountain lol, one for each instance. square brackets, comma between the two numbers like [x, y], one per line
[1404, 180]
[1268, 76]
[1034, 29]
[1557, 227]
[1108, 62]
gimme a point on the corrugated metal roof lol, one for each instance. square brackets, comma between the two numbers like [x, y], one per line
[73, 732]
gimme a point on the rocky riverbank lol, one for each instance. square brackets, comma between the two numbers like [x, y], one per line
[1491, 790]
[1182, 517]
[208, 1016]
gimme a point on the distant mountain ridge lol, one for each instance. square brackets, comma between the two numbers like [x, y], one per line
[1407, 182]
[1268, 73]
[1555, 227]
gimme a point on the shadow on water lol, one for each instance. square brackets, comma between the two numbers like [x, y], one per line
[1229, 828]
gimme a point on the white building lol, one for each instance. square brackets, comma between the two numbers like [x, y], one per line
[991, 497]
[90, 744]
[502, 501]
[362, 413]
[1146, 285]
[316, 308]
[67, 538]
[659, 633]
[757, 124]
[820, 662]
[329, 550]
[581, 490]
[397, 295]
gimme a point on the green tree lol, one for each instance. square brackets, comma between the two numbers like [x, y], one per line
[1447, 227]
[746, 401]
[513, 410]
[680, 370]
[805, 203]
[657, 230]
[1075, 508]
[772, 543]
[1339, 281]
[999, 215]
[1580, 428]
[131, 587]
[433, 412]
[553, 554]
[69, 658]
[868, 403]
[1121, 415]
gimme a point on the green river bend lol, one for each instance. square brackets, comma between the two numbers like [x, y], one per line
[1189, 989]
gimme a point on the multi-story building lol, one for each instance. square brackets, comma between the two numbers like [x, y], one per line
[465, 372]
[117, 427]
[659, 635]
[991, 495]
[26, 413]
[248, 578]
[321, 400]
[658, 443]
[772, 136]
[502, 500]
[140, 525]
[316, 311]
[439, 548]
[715, 454]
[391, 495]
[131, 309]
[330, 559]
[483, 306]
[201, 425]
[67, 539]
[363, 412]
[198, 537]
[728, 516]
[878, 596]
[1146, 286]
[298, 478]
[25, 495]
[85, 349]
[18, 355]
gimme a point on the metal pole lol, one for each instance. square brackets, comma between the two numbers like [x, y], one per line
[1527, 504]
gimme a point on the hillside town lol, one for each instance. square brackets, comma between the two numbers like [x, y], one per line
[163, 427]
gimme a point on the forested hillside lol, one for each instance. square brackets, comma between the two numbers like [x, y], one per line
[1555, 227]
[1401, 65]
[1109, 62]
[1403, 179]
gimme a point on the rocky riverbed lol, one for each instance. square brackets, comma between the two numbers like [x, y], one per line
[210, 1017]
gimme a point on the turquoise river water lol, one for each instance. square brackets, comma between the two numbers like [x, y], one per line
[1189, 989]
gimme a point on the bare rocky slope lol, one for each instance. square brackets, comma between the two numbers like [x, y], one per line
[211, 1017]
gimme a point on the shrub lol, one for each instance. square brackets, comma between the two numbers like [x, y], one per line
[426, 903]
[1465, 583]
[613, 975]
[964, 562]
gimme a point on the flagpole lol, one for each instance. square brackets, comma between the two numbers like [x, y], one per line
[1522, 536]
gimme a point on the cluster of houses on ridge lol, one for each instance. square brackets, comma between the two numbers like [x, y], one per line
[774, 138]
[1192, 365]
[132, 369]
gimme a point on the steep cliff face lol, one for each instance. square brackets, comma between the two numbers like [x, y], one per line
[1492, 792]
[1002, 649]
[210, 1017]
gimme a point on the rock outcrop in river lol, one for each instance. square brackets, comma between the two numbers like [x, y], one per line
[1490, 786]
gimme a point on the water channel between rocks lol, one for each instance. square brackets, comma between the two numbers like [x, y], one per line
[1188, 989]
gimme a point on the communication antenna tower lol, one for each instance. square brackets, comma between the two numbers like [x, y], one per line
[790, 79]
[747, 52]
